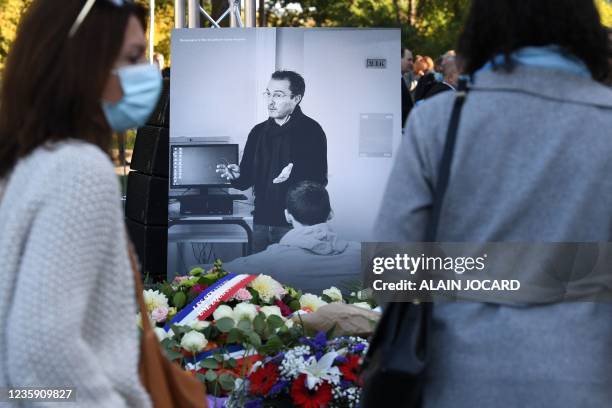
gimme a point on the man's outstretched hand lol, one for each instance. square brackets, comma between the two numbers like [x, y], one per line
[228, 171]
[284, 174]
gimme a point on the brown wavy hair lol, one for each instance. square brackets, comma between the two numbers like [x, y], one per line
[52, 84]
[503, 26]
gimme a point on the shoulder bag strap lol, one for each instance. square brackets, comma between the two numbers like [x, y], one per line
[445, 163]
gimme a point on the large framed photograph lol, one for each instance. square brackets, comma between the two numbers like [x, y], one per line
[254, 112]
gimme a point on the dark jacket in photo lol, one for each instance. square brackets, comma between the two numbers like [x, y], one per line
[269, 149]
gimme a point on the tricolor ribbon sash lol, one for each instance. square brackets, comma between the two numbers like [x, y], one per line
[205, 304]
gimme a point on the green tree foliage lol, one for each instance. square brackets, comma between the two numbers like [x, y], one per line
[12, 10]
[10, 14]
[605, 9]
[428, 26]
[164, 23]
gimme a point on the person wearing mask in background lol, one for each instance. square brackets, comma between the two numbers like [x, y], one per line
[311, 256]
[287, 148]
[406, 66]
[69, 82]
[531, 163]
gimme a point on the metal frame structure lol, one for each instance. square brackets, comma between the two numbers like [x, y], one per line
[195, 11]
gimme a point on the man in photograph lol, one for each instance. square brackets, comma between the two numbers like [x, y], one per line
[285, 149]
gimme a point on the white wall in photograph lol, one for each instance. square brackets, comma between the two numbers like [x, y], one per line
[218, 77]
[345, 90]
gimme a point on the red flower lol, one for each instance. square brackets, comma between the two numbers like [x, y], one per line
[264, 379]
[350, 369]
[285, 310]
[304, 397]
[198, 288]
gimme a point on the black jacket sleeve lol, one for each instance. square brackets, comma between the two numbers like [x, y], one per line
[310, 161]
[247, 163]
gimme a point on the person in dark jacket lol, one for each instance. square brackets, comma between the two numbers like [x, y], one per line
[287, 148]
[407, 78]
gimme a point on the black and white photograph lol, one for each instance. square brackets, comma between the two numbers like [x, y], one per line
[260, 117]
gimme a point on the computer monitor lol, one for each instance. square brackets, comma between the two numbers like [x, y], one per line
[195, 165]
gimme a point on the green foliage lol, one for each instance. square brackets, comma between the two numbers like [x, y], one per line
[210, 376]
[234, 336]
[179, 300]
[605, 9]
[259, 323]
[429, 27]
[275, 322]
[209, 363]
[11, 12]
[196, 271]
[226, 381]
[225, 324]
[244, 325]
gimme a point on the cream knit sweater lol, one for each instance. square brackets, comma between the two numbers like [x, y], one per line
[67, 302]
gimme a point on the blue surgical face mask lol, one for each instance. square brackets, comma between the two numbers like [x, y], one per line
[141, 86]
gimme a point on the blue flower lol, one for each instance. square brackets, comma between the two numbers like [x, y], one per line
[256, 403]
[277, 359]
[318, 342]
[278, 387]
[358, 348]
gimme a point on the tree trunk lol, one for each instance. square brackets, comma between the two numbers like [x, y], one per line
[397, 12]
[412, 12]
[262, 14]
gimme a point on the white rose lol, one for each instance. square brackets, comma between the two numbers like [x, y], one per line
[267, 288]
[334, 294]
[194, 341]
[223, 311]
[271, 310]
[199, 325]
[153, 299]
[162, 334]
[363, 305]
[311, 302]
[245, 311]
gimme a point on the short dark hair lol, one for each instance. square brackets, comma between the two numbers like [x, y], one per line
[503, 26]
[308, 203]
[58, 95]
[297, 86]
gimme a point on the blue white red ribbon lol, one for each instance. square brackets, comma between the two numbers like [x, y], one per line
[206, 302]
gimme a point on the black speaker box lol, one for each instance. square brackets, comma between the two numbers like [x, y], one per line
[151, 244]
[147, 199]
[161, 115]
[151, 151]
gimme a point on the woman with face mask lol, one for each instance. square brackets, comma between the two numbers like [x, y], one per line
[76, 73]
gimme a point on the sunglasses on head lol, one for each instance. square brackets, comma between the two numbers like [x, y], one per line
[87, 8]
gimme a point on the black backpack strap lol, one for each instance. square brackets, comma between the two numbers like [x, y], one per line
[445, 163]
